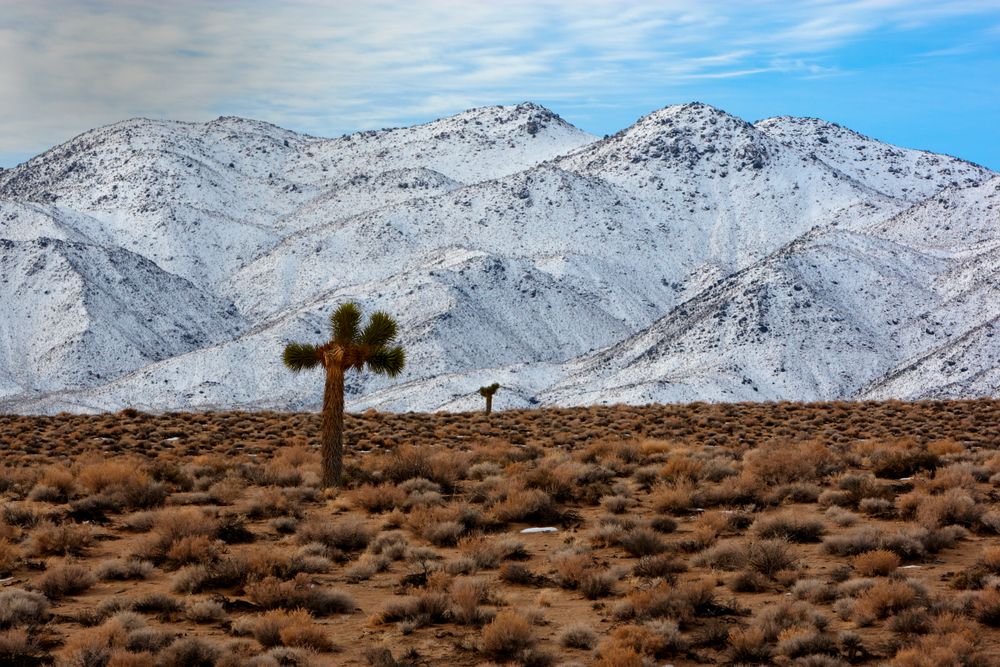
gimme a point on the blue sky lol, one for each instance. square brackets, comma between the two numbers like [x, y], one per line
[912, 72]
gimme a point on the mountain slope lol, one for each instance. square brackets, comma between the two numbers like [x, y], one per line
[902, 173]
[906, 309]
[690, 256]
[79, 314]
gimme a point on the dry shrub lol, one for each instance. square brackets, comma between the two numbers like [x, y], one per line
[954, 506]
[193, 549]
[206, 611]
[658, 639]
[989, 559]
[10, 556]
[66, 539]
[222, 573]
[466, 596]
[66, 579]
[20, 607]
[508, 636]
[596, 584]
[884, 598]
[986, 607]
[945, 447]
[749, 645]
[749, 581]
[18, 647]
[619, 656]
[903, 457]
[777, 618]
[790, 525]
[445, 468]
[345, 535]
[267, 503]
[188, 652]
[55, 485]
[518, 575]
[123, 483]
[673, 499]
[300, 593]
[640, 542]
[378, 499]
[617, 504]
[391, 544]
[682, 468]
[415, 611]
[526, 505]
[681, 603]
[578, 636]
[659, 566]
[956, 645]
[171, 525]
[878, 507]
[878, 563]
[782, 463]
[291, 628]
[123, 569]
[488, 553]
[803, 642]
[571, 568]
[727, 556]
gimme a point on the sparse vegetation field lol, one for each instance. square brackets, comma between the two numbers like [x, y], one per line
[801, 534]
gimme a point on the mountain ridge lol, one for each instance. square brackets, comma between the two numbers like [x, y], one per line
[512, 245]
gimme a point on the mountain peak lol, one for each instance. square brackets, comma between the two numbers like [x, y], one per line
[681, 136]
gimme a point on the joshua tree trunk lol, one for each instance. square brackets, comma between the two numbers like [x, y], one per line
[333, 426]
[489, 404]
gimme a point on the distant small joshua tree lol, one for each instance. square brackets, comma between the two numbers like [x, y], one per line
[487, 393]
[350, 347]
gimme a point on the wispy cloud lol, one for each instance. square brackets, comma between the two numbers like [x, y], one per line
[333, 66]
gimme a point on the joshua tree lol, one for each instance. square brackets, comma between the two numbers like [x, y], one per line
[487, 393]
[350, 347]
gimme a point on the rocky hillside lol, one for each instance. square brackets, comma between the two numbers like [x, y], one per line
[692, 256]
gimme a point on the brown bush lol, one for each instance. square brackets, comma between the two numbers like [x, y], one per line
[10, 557]
[18, 647]
[508, 636]
[782, 463]
[791, 526]
[19, 607]
[884, 598]
[291, 628]
[578, 636]
[67, 539]
[123, 483]
[879, 563]
[466, 596]
[300, 593]
[378, 499]
[488, 553]
[344, 535]
[749, 645]
[986, 607]
[193, 549]
[67, 579]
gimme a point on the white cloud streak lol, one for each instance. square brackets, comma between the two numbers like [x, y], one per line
[332, 66]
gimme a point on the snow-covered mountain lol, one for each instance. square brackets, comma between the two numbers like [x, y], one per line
[692, 256]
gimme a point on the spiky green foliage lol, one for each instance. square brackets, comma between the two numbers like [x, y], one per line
[344, 323]
[299, 356]
[489, 390]
[381, 330]
[387, 361]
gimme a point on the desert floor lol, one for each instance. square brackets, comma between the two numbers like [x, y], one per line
[810, 534]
